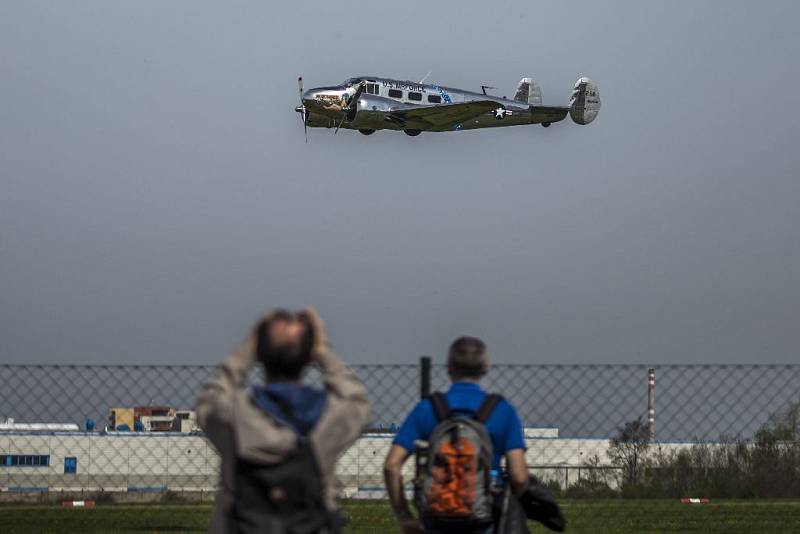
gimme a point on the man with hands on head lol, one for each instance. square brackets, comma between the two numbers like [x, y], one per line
[279, 442]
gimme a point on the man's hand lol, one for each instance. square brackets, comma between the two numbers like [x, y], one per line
[411, 525]
[320, 336]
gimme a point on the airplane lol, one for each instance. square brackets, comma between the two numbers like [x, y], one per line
[371, 103]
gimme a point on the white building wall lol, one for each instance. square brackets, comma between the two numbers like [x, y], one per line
[212, 465]
[26, 476]
[187, 463]
[69, 446]
[4, 443]
[148, 461]
[155, 462]
[108, 462]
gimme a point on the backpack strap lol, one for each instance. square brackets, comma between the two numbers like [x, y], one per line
[440, 407]
[487, 407]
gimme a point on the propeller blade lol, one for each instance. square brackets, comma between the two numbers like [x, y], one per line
[350, 108]
[302, 107]
[359, 91]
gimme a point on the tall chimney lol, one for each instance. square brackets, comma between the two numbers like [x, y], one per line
[651, 402]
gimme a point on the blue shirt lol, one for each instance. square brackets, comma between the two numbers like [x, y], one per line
[297, 406]
[503, 424]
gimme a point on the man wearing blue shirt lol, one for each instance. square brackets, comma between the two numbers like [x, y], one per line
[467, 363]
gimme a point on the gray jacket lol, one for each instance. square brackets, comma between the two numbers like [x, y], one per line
[238, 428]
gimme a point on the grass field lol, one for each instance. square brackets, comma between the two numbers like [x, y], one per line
[375, 516]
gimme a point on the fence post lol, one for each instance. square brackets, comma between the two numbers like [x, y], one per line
[425, 377]
[651, 403]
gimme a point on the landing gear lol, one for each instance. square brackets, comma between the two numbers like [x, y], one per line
[366, 131]
[412, 133]
[546, 124]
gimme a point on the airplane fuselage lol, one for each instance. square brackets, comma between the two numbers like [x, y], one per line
[383, 95]
[370, 103]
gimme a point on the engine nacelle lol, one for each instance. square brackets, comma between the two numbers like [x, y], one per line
[584, 105]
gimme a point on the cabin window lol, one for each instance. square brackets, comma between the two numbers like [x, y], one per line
[372, 88]
[415, 96]
[395, 93]
[434, 99]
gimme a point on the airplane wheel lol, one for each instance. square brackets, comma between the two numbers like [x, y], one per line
[412, 133]
[546, 124]
[366, 131]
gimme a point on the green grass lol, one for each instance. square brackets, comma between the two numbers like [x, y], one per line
[375, 516]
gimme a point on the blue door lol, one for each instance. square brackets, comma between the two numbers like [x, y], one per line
[70, 465]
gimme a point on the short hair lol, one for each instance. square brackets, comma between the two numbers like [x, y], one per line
[467, 358]
[286, 361]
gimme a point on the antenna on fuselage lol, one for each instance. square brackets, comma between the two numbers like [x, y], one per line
[425, 77]
[485, 87]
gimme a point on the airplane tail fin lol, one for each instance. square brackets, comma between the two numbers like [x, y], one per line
[584, 105]
[529, 92]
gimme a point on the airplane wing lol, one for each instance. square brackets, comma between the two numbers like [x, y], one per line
[443, 116]
[548, 113]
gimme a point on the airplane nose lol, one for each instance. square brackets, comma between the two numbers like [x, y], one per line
[308, 95]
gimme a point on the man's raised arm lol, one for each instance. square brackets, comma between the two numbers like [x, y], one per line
[215, 405]
[340, 381]
[349, 411]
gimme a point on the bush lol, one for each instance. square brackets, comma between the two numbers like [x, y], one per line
[589, 489]
[173, 497]
[766, 466]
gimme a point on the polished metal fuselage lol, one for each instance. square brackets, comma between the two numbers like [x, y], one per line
[385, 95]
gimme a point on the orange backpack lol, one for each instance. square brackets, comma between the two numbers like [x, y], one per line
[454, 486]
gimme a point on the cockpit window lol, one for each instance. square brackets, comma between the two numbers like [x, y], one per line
[349, 82]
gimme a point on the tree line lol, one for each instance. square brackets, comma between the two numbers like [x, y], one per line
[766, 465]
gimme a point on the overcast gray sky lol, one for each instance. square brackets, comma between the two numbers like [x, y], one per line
[156, 193]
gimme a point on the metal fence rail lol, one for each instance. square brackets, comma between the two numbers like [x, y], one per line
[708, 419]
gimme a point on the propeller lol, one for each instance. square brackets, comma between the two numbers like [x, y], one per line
[350, 105]
[302, 107]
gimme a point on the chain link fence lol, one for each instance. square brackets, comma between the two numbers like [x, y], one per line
[128, 433]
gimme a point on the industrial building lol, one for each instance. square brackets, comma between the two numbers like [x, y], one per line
[155, 449]
[153, 462]
[152, 419]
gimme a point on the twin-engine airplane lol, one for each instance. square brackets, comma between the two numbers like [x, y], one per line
[370, 103]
